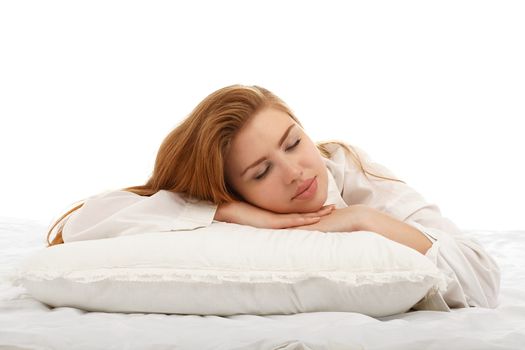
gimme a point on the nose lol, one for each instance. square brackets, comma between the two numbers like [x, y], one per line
[291, 171]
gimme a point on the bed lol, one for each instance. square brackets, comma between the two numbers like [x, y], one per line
[26, 323]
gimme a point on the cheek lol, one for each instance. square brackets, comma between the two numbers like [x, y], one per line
[313, 157]
[268, 194]
[268, 190]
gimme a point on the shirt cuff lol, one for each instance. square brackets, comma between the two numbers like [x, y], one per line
[431, 236]
[432, 252]
[200, 213]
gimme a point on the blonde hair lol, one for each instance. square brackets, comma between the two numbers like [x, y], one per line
[200, 143]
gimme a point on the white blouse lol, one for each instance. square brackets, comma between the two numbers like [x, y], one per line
[475, 275]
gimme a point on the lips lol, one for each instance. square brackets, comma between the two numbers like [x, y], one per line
[304, 186]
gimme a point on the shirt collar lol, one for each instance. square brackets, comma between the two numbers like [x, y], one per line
[333, 192]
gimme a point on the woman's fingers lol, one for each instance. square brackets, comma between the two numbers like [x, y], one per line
[300, 219]
[294, 220]
[321, 212]
[327, 209]
[311, 226]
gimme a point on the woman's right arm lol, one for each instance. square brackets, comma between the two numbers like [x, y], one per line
[246, 214]
[119, 213]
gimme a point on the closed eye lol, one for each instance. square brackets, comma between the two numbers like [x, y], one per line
[294, 145]
[265, 172]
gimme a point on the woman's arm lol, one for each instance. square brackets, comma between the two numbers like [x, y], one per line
[363, 218]
[476, 275]
[375, 221]
[118, 213]
[247, 214]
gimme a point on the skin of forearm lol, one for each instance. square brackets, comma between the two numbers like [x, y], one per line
[375, 221]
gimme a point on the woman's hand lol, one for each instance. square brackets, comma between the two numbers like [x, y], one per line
[340, 220]
[246, 214]
[363, 218]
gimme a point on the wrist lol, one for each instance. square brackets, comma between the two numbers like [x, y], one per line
[222, 212]
[364, 218]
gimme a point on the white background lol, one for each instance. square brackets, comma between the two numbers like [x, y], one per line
[435, 91]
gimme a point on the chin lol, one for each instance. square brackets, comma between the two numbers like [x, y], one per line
[313, 205]
[303, 207]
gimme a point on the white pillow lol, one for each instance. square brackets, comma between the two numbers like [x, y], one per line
[228, 269]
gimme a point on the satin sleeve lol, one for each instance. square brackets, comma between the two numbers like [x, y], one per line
[118, 213]
[474, 276]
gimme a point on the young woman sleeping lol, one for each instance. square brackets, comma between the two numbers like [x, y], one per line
[243, 157]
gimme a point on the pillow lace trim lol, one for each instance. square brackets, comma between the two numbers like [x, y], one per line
[439, 279]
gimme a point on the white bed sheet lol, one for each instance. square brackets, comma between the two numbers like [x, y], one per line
[28, 324]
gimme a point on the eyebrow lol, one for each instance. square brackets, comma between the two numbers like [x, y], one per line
[262, 159]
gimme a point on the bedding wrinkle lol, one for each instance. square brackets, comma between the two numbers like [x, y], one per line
[296, 300]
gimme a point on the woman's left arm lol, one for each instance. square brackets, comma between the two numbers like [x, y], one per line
[402, 214]
[376, 221]
[363, 218]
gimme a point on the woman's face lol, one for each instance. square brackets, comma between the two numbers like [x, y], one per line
[274, 165]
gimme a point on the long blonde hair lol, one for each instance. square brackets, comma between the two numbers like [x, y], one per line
[200, 143]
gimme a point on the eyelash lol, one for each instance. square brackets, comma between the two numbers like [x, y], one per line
[265, 172]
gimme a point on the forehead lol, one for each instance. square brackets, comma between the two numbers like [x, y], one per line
[267, 124]
[259, 136]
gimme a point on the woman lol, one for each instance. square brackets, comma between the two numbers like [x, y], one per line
[242, 156]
